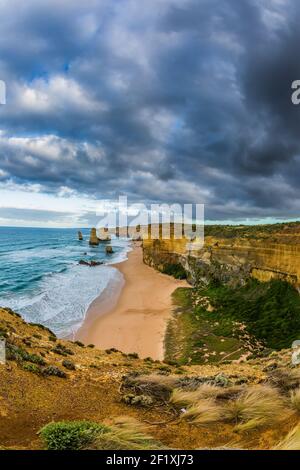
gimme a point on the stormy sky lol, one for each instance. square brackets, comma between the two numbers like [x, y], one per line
[174, 101]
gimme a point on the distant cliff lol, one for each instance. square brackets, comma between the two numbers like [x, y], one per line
[233, 254]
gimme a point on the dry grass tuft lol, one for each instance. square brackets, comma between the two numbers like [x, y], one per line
[205, 391]
[285, 379]
[258, 405]
[204, 412]
[295, 399]
[291, 441]
[126, 434]
[158, 387]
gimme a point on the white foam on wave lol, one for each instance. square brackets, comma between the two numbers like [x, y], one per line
[61, 300]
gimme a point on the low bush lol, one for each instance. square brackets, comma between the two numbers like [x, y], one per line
[68, 364]
[62, 350]
[69, 435]
[16, 353]
[55, 371]
[175, 270]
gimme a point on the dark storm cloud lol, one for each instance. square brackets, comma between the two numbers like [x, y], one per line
[165, 100]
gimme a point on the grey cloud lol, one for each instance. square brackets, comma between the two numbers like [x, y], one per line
[163, 100]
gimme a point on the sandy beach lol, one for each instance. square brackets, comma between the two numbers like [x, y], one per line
[135, 319]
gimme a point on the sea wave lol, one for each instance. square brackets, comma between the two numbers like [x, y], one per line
[62, 299]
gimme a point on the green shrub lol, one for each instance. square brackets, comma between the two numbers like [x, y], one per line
[55, 371]
[62, 350]
[32, 368]
[175, 270]
[68, 364]
[66, 435]
[79, 343]
[270, 310]
[133, 355]
[16, 353]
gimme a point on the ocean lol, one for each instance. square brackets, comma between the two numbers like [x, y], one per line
[40, 277]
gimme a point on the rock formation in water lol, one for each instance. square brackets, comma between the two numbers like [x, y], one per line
[91, 263]
[80, 237]
[104, 235]
[94, 240]
[109, 250]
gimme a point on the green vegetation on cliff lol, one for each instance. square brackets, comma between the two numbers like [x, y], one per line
[270, 310]
[218, 323]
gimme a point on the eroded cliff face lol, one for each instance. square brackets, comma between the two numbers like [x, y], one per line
[231, 256]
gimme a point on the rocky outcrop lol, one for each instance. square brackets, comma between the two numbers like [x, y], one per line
[232, 256]
[91, 263]
[94, 240]
[109, 250]
[80, 237]
[104, 235]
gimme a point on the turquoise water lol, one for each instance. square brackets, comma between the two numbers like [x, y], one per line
[40, 277]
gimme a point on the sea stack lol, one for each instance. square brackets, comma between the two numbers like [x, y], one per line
[109, 250]
[94, 240]
[80, 237]
[104, 235]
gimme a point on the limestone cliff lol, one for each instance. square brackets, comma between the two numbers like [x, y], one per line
[231, 254]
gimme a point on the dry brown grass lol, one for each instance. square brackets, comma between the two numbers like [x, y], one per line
[295, 399]
[204, 412]
[206, 391]
[259, 405]
[285, 379]
[291, 441]
[126, 434]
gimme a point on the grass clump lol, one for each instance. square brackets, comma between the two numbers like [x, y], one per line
[204, 412]
[257, 406]
[69, 435]
[125, 434]
[291, 441]
[295, 399]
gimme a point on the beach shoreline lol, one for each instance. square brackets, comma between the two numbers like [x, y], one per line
[132, 316]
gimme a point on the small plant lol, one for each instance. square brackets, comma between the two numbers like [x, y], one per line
[139, 400]
[62, 350]
[111, 350]
[79, 343]
[69, 435]
[16, 353]
[52, 338]
[91, 346]
[55, 371]
[133, 355]
[68, 364]
[32, 368]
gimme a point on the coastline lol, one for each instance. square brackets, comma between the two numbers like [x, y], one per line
[132, 316]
